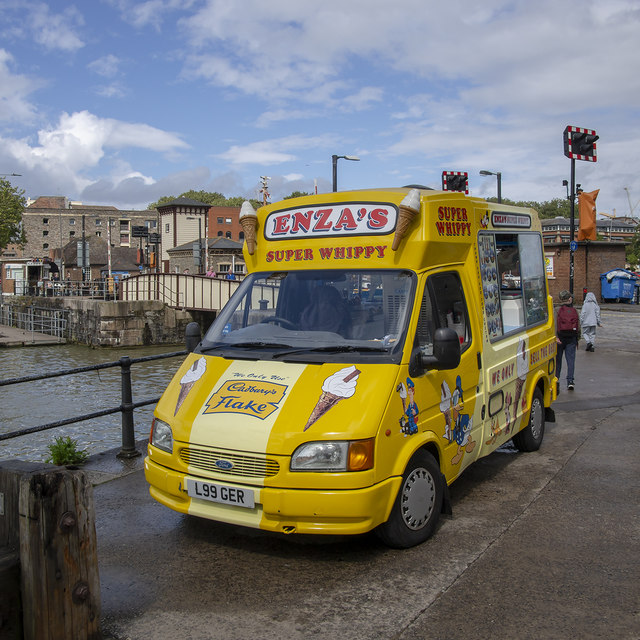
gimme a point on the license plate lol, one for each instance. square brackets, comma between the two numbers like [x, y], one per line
[221, 493]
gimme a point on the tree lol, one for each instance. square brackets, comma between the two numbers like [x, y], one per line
[12, 204]
[296, 194]
[212, 198]
[633, 252]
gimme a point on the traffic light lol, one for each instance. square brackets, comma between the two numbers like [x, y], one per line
[455, 181]
[580, 144]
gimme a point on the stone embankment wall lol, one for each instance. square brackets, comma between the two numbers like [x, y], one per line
[100, 323]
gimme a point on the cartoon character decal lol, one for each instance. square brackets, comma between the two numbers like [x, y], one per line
[484, 221]
[508, 400]
[408, 424]
[336, 387]
[458, 425]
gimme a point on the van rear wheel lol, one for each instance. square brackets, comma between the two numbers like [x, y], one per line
[530, 438]
[416, 510]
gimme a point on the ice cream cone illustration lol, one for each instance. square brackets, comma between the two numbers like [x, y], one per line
[249, 222]
[339, 386]
[189, 379]
[409, 208]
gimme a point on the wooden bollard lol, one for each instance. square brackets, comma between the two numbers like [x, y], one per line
[58, 555]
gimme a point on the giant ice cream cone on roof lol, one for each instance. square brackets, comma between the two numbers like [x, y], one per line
[249, 222]
[409, 209]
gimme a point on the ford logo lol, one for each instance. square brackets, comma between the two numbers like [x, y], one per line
[224, 464]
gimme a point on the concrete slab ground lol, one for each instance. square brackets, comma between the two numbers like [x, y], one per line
[543, 545]
[12, 337]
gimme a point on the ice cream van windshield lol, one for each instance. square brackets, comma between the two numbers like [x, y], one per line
[315, 316]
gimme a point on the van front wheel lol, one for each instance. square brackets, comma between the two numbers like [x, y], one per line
[417, 507]
[530, 438]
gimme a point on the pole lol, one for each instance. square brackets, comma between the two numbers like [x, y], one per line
[334, 163]
[128, 449]
[572, 226]
[200, 270]
[109, 246]
[84, 251]
[499, 176]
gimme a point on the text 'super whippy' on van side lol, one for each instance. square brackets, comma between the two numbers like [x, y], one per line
[382, 341]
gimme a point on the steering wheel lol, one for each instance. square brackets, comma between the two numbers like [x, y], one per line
[283, 322]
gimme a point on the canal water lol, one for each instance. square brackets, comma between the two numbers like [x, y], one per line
[31, 404]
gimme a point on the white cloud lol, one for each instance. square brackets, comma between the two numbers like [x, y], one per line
[276, 151]
[106, 66]
[56, 31]
[14, 91]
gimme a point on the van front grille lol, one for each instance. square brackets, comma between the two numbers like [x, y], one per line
[229, 463]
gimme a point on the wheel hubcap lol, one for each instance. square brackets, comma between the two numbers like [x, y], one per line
[536, 419]
[418, 498]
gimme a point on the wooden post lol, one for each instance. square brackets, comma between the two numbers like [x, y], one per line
[58, 555]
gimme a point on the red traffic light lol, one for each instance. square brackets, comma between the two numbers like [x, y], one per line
[580, 144]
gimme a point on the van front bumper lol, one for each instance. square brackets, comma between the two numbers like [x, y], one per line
[311, 511]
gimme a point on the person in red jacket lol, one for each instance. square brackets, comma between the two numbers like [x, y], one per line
[567, 334]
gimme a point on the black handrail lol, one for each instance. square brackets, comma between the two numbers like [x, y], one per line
[128, 449]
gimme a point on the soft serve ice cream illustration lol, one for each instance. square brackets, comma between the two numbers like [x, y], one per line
[189, 379]
[336, 387]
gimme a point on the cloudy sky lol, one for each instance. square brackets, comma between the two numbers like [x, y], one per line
[121, 102]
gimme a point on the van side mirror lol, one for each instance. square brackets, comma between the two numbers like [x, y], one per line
[446, 351]
[192, 336]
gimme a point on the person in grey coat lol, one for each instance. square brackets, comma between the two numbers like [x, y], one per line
[589, 320]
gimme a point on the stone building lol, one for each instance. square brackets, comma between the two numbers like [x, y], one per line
[613, 229]
[222, 255]
[51, 222]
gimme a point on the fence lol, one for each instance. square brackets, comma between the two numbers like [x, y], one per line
[102, 289]
[53, 322]
[126, 408]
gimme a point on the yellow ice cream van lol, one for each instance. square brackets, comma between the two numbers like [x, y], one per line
[382, 341]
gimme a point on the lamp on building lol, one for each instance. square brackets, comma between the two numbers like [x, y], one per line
[498, 175]
[334, 164]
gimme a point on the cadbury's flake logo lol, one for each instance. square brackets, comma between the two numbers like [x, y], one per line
[248, 397]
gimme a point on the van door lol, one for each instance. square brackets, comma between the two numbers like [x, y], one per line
[451, 396]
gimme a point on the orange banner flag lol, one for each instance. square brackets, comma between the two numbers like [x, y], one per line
[587, 214]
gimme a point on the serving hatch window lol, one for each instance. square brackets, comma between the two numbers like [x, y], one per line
[513, 281]
[352, 313]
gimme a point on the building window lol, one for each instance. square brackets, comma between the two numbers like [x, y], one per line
[241, 235]
[45, 220]
[219, 234]
[72, 220]
[228, 234]
[98, 222]
[167, 227]
[220, 220]
[45, 233]
[72, 233]
[228, 220]
[45, 245]
[99, 234]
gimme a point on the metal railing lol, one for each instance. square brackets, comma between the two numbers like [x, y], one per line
[53, 322]
[101, 289]
[126, 408]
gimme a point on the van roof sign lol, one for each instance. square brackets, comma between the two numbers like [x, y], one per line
[335, 220]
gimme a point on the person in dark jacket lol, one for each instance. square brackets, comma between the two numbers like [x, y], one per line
[567, 334]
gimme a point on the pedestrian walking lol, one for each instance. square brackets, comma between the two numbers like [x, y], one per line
[589, 320]
[567, 334]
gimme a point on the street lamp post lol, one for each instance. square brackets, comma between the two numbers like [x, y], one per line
[498, 175]
[334, 163]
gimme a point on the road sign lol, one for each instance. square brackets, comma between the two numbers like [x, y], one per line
[139, 231]
[573, 245]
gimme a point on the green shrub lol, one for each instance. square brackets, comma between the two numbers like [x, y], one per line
[64, 450]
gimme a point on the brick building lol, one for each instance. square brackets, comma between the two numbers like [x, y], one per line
[613, 230]
[590, 260]
[224, 222]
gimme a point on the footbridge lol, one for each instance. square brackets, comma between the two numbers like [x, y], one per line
[179, 290]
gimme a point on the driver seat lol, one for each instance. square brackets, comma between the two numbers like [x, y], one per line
[327, 311]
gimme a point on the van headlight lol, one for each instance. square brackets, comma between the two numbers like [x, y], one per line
[334, 455]
[161, 435]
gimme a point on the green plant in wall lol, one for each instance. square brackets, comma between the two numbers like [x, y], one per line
[64, 450]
